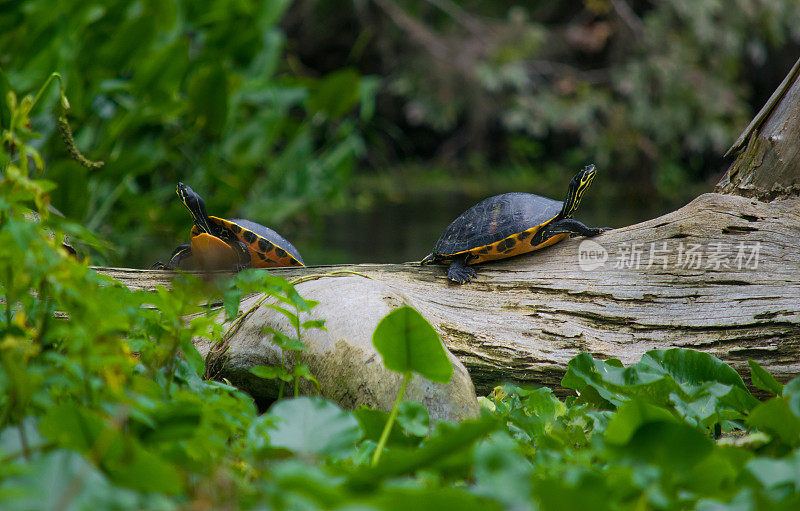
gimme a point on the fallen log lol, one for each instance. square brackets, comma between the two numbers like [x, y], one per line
[720, 275]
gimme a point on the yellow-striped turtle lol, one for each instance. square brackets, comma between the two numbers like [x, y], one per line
[510, 224]
[221, 244]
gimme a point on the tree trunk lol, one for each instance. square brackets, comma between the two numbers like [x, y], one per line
[768, 161]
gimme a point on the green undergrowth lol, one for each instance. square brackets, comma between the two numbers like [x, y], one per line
[106, 404]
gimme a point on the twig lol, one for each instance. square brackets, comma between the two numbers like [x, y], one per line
[630, 18]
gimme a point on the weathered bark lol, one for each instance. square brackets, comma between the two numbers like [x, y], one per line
[523, 318]
[768, 161]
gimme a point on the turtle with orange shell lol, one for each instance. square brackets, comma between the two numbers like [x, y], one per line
[220, 244]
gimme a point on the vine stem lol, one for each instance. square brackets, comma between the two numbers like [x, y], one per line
[339, 273]
[44, 88]
[390, 421]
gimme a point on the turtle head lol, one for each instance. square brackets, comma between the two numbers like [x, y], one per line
[577, 186]
[196, 207]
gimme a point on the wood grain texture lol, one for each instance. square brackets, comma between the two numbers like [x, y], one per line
[767, 165]
[522, 319]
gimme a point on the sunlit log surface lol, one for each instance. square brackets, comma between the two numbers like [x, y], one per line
[721, 275]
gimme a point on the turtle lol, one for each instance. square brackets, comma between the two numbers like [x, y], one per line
[510, 224]
[219, 243]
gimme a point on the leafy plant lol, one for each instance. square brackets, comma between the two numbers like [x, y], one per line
[290, 304]
[104, 403]
[408, 344]
[167, 92]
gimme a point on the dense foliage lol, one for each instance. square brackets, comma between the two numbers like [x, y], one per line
[168, 91]
[105, 404]
[267, 107]
[656, 91]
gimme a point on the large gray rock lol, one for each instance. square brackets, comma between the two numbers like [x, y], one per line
[342, 358]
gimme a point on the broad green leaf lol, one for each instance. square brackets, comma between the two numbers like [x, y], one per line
[763, 380]
[335, 94]
[372, 422]
[72, 426]
[447, 440]
[413, 417]
[776, 473]
[631, 416]
[64, 479]
[310, 426]
[502, 472]
[697, 384]
[407, 342]
[792, 392]
[174, 421]
[431, 499]
[122, 457]
[207, 92]
[777, 418]
[668, 445]
[718, 471]
[743, 501]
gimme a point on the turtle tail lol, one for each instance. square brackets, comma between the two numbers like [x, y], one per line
[428, 259]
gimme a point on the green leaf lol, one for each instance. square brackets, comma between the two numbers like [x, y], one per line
[207, 92]
[174, 421]
[72, 426]
[335, 94]
[763, 380]
[630, 417]
[314, 323]
[413, 416]
[5, 112]
[310, 426]
[792, 392]
[64, 479]
[651, 434]
[122, 457]
[302, 371]
[372, 422]
[283, 341]
[776, 473]
[447, 440]
[777, 418]
[697, 385]
[272, 372]
[431, 499]
[502, 472]
[407, 342]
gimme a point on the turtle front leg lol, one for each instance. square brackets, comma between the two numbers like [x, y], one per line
[573, 228]
[179, 254]
[460, 272]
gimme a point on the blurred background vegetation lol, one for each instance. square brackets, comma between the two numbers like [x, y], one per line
[360, 128]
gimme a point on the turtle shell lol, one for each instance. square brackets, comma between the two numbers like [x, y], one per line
[499, 227]
[267, 248]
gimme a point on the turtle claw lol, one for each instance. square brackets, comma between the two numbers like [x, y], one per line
[460, 273]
